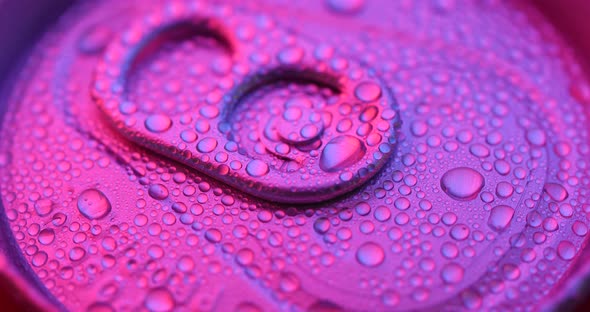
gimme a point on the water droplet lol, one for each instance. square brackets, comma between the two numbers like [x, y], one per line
[346, 6]
[460, 232]
[462, 183]
[536, 137]
[46, 236]
[452, 273]
[291, 55]
[43, 207]
[370, 254]
[158, 191]
[368, 91]
[257, 168]
[158, 123]
[500, 217]
[341, 152]
[93, 204]
[94, 39]
[556, 191]
[213, 235]
[207, 145]
[160, 300]
[566, 250]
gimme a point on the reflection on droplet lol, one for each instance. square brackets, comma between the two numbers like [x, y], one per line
[462, 183]
[341, 152]
[93, 204]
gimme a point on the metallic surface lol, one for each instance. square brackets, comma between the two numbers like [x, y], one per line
[529, 233]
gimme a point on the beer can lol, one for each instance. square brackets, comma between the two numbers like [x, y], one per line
[335, 155]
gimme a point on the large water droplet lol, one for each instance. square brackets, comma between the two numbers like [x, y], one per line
[93, 204]
[342, 152]
[462, 183]
[556, 191]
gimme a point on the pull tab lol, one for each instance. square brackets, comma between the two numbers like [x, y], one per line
[271, 115]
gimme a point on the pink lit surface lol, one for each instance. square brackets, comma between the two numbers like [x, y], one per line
[312, 156]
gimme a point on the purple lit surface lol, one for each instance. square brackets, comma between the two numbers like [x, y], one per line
[310, 156]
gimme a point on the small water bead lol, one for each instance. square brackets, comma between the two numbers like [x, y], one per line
[160, 300]
[94, 39]
[418, 128]
[207, 145]
[46, 236]
[321, 225]
[341, 153]
[291, 55]
[462, 183]
[362, 208]
[382, 213]
[471, 299]
[479, 150]
[213, 235]
[43, 207]
[500, 217]
[93, 204]
[368, 91]
[370, 254]
[536, 137]
[460, 232]
[158, 191]
[257, 168]
[449, 250]
[76, 253]
[566, 250]
[390, 298]
[158, 123]
[580, 228]
[452, 273]
[346, 6]
[504, 189]
[289, 282]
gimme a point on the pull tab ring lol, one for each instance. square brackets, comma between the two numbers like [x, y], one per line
[304, 151]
